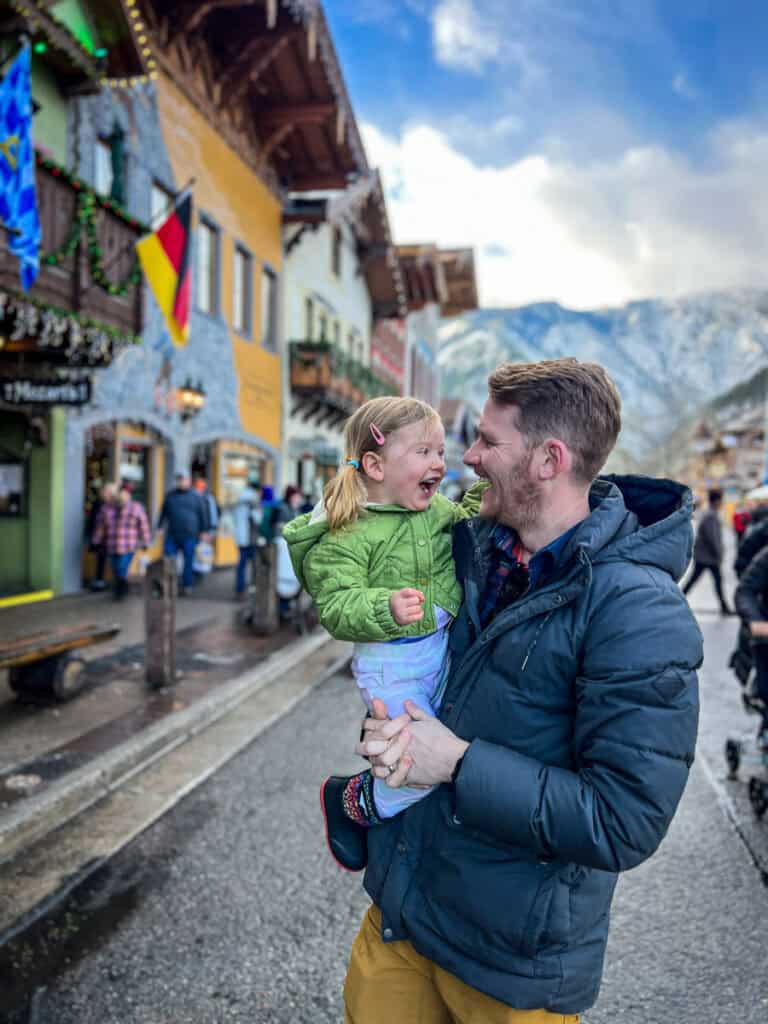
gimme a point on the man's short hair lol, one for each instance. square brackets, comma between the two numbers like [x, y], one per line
[575, 402]
[714, 497]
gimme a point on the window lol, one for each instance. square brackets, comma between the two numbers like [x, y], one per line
[336, 333]
[103, 173]
[323, 324]
[162, 202]
[309, 313]
[242, 298]
[336, 251]
[268, 308]
[207, 267]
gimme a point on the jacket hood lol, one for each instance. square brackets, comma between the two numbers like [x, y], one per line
[301, 534]
[638, 519]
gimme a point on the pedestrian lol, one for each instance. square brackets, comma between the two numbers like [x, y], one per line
[107, 494]
[751, 601]
[376, 561]
[741, 519]
[247, 519]
[266, 517]
[754, 540]
[708, 549]
[185, 519]
[212, 511]
[566, 732]
[290, 507]
[123, 528]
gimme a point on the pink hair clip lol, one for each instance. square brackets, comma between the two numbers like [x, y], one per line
[378, 437]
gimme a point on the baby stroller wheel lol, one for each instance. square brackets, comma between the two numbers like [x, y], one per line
[758, 796]
[732, 756]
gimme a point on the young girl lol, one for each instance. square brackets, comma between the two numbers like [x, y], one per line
[376, 558]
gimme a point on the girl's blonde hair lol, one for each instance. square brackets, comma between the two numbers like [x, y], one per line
[346, 493]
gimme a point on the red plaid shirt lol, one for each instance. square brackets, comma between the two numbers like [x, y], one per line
[123, 528]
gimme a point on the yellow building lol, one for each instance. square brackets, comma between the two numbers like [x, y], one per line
[245, 104]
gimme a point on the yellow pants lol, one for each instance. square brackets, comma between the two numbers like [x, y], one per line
[390, 981]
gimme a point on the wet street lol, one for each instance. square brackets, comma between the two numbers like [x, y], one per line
[231, 910]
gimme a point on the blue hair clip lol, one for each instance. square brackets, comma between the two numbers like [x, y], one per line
[354, 462]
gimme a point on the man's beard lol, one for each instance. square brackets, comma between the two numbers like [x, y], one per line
[522, 498]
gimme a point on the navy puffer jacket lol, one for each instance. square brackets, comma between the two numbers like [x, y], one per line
[580, 705]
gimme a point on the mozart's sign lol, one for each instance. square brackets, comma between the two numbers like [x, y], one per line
[26, 391]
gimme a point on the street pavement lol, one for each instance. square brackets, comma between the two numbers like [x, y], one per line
[230, 909]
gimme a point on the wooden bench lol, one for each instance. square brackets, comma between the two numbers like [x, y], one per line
[41, 663]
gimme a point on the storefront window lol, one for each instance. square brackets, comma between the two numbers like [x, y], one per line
[236, 468]
[133, 469]
[12, 488]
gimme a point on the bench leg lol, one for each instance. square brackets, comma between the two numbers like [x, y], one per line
[60, 676]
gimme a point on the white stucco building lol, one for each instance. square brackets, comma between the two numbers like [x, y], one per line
[340, 275]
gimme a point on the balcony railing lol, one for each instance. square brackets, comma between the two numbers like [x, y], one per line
[89, 284]
[327, 383]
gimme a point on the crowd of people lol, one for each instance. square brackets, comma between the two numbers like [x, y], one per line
[118, 529]
[750, 658]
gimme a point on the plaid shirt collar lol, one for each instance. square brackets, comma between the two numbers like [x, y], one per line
[509, 576]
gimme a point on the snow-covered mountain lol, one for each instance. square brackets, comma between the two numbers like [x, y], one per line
[667, 356]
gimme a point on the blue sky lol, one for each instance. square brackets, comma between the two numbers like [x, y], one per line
[625, 137]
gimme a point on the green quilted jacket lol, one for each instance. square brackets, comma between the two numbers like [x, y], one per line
[352, 573]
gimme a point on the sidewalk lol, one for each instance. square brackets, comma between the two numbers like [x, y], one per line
[56, 759]
[210, 646]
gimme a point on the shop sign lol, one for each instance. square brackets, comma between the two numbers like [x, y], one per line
[45, 392]
[55, 332]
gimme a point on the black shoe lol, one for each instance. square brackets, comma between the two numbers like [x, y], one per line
[346, 840]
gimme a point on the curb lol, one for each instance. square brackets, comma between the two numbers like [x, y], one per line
[37, 816]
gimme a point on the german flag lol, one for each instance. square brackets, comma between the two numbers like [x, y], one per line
[165, 260]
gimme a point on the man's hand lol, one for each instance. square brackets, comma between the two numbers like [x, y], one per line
[758, 629]
[424, 753]
[379, 735]
[405, 606]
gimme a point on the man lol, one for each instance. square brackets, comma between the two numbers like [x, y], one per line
[107, 495]
[708, 549]
[755, 539]
[123, 529]
[566, 731]
[751, 601]
[186, 520]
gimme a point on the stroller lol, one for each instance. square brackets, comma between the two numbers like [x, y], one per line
[746, 748]
[296, 605]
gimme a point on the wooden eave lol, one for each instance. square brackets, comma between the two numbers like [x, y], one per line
[114, 25]
[77, 70]
[265, 70]
[461, 283]
[424, 276]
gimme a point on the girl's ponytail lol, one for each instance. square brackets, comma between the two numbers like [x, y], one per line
[344, 495]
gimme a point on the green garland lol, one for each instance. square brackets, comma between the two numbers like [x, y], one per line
[86, 213]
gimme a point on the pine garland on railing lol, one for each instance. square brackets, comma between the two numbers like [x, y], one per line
[86, 212]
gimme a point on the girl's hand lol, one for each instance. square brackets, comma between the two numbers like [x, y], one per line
[405, 606]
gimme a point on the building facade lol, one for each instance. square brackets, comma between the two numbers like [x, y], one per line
[342, 288]
[85, 307]
[234, 105]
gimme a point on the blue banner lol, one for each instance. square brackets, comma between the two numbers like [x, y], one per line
[18, 200]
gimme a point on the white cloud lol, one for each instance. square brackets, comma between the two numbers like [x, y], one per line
[461, 37]
[683, 87]
[646, 223]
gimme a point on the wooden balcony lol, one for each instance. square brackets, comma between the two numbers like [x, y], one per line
[327, 385]
[89, 291]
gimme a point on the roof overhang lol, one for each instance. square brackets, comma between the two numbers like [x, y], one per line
[275, 61]
[78, 64]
